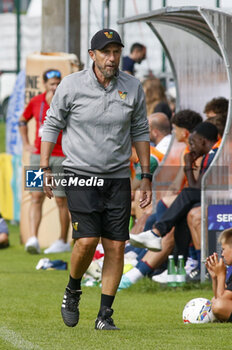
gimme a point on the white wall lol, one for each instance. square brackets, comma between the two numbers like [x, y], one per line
[30, 42]
[30, 39]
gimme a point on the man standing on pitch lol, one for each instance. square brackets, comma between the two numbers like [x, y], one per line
[101, 111]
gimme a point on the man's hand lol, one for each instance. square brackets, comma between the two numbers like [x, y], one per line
[215, 266]
[48, 184]
[210, 267]
[189, 159]
[220, 268]
[145, 193]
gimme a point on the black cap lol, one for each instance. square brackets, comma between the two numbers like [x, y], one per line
[105, 37]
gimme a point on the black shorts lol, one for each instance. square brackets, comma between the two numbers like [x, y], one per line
[100, 211]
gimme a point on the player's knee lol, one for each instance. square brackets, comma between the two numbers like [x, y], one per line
[86, 244]
[218, 306]
[37, 198]
[197, 215]
[190, 216]
[119, 253]
[116, 251]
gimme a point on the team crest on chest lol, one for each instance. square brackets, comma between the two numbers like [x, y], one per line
[109, 35]
[122, 94]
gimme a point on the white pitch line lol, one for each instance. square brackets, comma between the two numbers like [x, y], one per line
[16, 340]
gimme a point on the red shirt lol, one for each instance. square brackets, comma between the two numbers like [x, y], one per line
[37, 108]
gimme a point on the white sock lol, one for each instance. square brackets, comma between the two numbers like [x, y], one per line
[131, 255]
[134, 275]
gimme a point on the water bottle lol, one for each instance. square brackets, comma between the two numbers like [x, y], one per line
[181, 273]
[171, 271]
[131, 222]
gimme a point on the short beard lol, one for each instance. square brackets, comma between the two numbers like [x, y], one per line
[107, 74]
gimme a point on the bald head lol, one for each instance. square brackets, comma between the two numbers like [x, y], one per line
[161, 122]
[159, 126]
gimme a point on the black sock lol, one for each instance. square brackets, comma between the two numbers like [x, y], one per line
[106, 301]
[230, 318]
[74, 284]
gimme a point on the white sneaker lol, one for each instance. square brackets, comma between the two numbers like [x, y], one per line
[58, 247]
[190, 265]
[94, 270]
[146, 240]
[41, 263]
[32, 245]
[161, 278]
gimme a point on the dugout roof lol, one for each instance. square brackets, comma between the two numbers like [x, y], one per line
[197, 42]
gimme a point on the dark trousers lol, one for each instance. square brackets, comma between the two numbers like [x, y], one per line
[160, 210]
[179, 209]
[182, 237]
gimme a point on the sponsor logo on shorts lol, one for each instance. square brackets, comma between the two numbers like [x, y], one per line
[75, 225]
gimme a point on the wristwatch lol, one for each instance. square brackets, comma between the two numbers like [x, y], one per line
[146, 176]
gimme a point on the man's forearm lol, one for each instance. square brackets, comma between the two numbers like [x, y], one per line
[143, 152]
[23, 130]
[192, 182]
[214, 286]
[221, 280]
[45, 153]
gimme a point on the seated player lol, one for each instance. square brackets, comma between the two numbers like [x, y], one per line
[201, 142]
[183, 124]
[222, 289]
[194, 215]
[160, 135]
[216, 106]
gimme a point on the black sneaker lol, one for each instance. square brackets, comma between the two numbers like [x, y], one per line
[194, 276]
[69, 308]
[105, 322]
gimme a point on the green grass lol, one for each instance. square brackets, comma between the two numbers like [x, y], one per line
[150, 316]
[2, 136]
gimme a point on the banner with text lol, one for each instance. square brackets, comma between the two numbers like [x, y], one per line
[219, 219]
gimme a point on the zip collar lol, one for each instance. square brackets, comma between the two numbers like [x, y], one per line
[96, 82]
